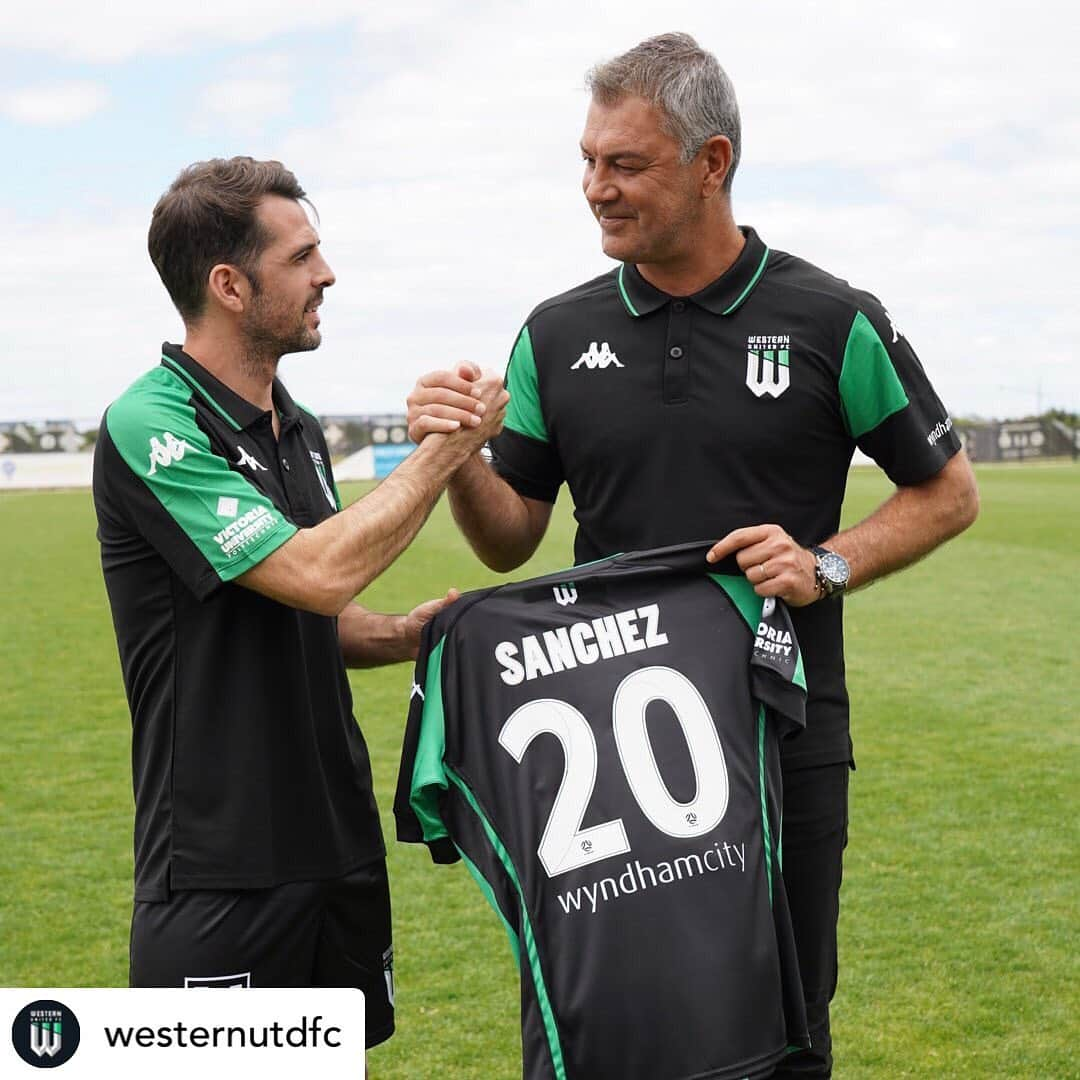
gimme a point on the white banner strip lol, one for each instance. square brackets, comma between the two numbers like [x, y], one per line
[182, 1034]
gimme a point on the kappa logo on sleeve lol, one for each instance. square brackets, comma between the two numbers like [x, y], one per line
[166, 450]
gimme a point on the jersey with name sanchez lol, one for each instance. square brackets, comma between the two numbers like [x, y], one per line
[600, 748]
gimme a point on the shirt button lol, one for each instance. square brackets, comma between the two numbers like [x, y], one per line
[675, 352]
[285, 463]
[679, 305]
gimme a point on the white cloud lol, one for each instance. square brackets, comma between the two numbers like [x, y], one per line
[54, 104]
[447, 180]
[77, 31]
[243, 104]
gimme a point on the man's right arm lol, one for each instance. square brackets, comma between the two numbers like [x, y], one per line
[322, 568]
[501, 526]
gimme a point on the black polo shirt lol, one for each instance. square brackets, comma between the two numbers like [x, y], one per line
[675, 419]
[249, 769]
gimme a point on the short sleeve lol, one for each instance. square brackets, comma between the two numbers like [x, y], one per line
[889, 406]
[522, 453]
[161, 474]
[422, 781]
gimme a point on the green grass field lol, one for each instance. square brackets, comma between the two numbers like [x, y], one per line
[959, 914]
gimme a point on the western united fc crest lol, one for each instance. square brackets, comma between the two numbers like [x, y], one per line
[45, 1034]
[768, 359]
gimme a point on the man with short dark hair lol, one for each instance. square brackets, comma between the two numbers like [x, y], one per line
[231, 568]
[711, 387]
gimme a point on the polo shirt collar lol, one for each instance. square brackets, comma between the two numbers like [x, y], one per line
[723, 296]
[237, 411]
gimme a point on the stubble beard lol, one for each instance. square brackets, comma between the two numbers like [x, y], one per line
[266, 343]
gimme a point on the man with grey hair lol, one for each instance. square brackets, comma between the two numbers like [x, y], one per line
[710, 386]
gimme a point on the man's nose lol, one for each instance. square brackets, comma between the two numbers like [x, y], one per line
[325, 277]
[599, 187]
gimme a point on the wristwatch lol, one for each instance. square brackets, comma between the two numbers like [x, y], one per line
[831, 571]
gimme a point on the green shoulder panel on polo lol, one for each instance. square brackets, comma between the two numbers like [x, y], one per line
[154, 428]
[870, 389]
[523, 413]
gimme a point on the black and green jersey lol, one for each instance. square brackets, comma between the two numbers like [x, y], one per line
[602, 753]
[249, 769]
[674, 419]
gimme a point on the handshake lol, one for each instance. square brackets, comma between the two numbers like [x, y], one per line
[464, 403]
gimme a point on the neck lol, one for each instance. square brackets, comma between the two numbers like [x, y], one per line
[714, 250]
[242, 369]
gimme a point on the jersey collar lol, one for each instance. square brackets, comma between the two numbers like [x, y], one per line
[724, 296]
[238, 412]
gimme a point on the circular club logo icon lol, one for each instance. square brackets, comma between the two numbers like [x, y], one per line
[45, 1034]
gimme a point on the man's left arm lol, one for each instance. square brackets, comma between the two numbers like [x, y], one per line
[892, 413]
[913, 521]
[371, 639]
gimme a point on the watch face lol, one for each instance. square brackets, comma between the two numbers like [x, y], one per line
[834, 568]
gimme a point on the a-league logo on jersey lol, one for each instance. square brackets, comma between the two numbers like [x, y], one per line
[767, 364]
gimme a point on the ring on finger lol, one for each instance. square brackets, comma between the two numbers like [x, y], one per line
[764, 572]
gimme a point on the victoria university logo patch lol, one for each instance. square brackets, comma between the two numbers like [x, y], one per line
[767, 364]
[45, 1034]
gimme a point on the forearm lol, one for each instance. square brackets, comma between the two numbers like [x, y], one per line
[909, 524]
[369, 639]
[501, 526]
[322, 568]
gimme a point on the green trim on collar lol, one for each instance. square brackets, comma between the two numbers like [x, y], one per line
[622, 292]
[751, 283]
[192, 381]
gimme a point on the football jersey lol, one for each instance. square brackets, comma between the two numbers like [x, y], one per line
[600, 747]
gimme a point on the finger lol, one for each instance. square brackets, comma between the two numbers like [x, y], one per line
[758, 554]
[468, 417]
[736, 540]
[447, 380]
[468, 371]
[452, 594]
[431, 425]
[440, 395]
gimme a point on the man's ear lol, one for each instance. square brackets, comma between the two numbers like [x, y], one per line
[716, 155]
[228, 287]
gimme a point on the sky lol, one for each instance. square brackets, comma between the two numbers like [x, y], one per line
[929, 153]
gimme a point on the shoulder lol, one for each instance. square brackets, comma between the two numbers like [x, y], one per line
[156, 403]
[811, 284]
[579, 297]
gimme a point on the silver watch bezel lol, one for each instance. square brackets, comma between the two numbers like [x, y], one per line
[831, 570]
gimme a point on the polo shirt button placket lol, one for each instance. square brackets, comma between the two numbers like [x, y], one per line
[677, 360]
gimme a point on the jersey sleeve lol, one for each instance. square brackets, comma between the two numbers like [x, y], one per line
[422, 779]
[889, 407]
[168, 484]
[522, 453]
